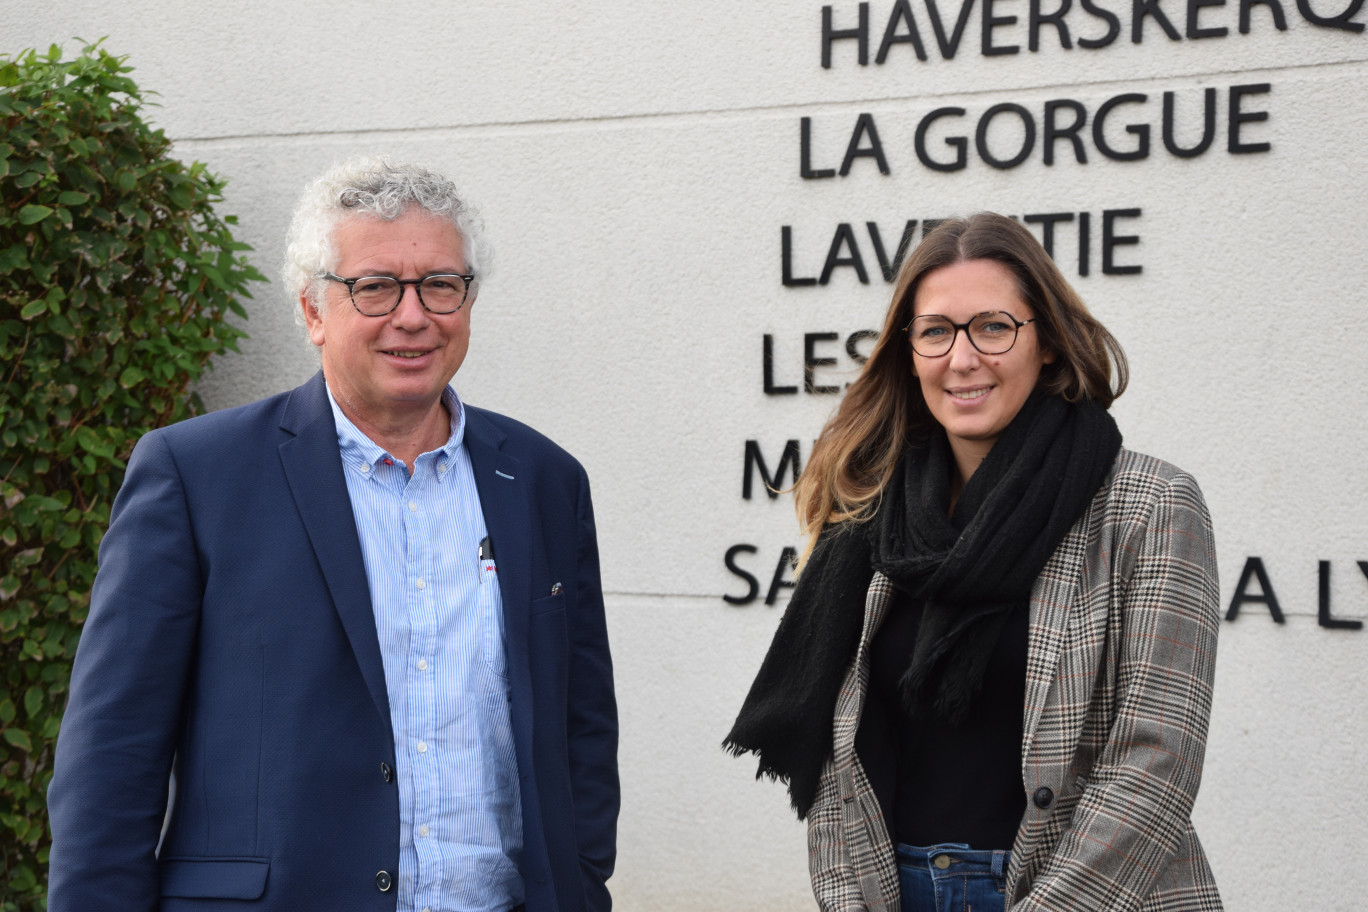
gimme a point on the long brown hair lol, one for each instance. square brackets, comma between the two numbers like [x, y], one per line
[883, 411]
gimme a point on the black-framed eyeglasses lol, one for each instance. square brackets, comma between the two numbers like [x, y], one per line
[439, 293]
[992, 332]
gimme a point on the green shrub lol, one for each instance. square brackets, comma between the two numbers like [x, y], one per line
[116, 277]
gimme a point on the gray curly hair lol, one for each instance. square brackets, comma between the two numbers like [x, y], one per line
[378, 187]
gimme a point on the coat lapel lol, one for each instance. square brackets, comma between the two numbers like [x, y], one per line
[1056, 599]
[313, 470]
[502, 484]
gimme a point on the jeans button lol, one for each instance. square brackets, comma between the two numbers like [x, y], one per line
[942, 861]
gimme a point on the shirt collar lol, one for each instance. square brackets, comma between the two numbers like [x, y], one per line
[361, 453]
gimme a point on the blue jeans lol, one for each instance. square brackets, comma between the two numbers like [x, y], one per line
[951, 877]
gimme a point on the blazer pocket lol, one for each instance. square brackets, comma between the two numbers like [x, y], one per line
[549, 603]
[548, 642]
[214, 878]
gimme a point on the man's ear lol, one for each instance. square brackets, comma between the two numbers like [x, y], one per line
[312, 319]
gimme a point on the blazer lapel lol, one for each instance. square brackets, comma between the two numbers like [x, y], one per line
[313, 470]
[1055, 601]
[502, 484]
[850, 700]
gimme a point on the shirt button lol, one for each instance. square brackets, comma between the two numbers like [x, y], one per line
[422, 747]
[420, 584]
[423, 831]
[365, 468]
[441, 467]
[422, 664]
[413, 506]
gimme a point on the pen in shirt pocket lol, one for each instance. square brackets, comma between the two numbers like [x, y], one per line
[486, 556]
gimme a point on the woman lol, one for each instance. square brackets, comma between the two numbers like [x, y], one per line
[991, 687]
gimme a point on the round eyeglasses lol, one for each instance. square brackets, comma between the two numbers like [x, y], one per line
[440, 293]
[992, 332]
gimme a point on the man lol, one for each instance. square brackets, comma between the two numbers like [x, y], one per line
[361, 621]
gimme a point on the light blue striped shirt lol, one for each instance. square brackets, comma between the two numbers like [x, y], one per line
[440, 621]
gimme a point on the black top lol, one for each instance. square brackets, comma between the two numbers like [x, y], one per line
[936, 782]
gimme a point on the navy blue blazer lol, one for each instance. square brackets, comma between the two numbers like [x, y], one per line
[230, 634]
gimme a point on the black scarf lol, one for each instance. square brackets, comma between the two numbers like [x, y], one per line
[969, 571]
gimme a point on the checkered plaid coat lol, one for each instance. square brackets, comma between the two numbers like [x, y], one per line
[1122, 652]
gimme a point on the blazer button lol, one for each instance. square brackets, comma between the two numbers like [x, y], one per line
[386, 772]
[1043, 797]
[383, 881]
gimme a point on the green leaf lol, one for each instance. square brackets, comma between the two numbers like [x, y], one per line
[33, 213]
[33, 309]
[62, 326]
[131, 377]
[15, 257]
[19, 738]
[93, 444]
[72, 197]
[33, 700]
[21, 879]
[183, 196]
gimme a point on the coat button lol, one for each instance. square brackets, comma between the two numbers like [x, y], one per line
[386, 772]
[1043, 797]
[383, 881]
